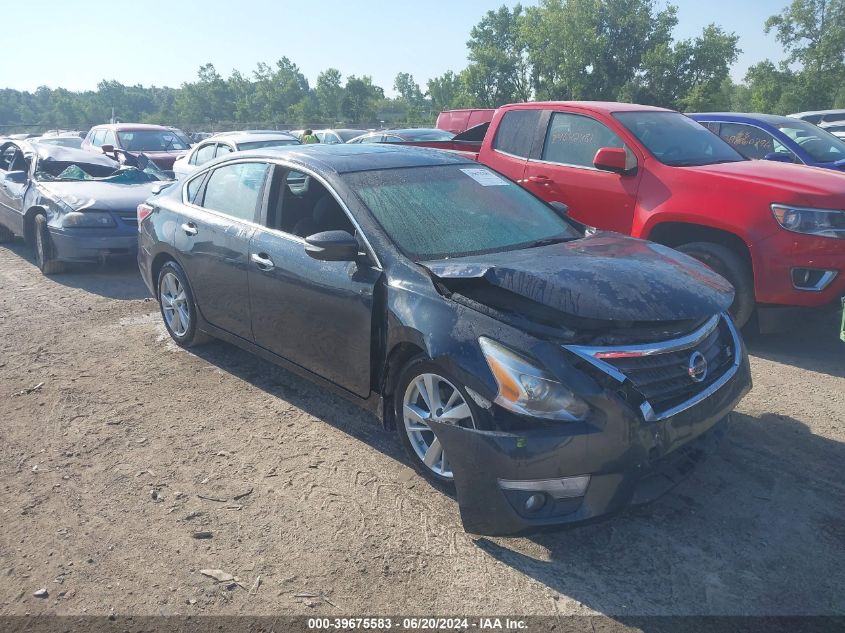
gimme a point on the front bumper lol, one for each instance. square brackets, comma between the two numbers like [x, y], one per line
[87, 245]
[788, 251]
[629, 459]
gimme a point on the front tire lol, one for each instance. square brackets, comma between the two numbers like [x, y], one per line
[730, 266]
[45, 255]
[178, 308]
[425, 391]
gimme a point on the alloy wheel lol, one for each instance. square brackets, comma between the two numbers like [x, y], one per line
[432, 397]
[174, 304]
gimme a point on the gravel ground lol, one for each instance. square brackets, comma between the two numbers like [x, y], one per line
[130, 447]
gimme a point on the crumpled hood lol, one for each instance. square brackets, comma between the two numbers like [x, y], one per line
[605, 277]
[105, 196]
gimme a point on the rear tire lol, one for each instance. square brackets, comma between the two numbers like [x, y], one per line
[45, 253]
[5, 235]
[730, 266]
[178, 307]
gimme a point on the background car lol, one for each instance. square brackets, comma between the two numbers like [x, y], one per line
[161, 144]
[404, 136]
[333, 137]
[226, 143]
[69, 204]
[781, 138]
[68, 139]
[837, 129]
[820, 116]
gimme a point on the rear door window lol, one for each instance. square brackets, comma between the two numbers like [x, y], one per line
[98, 137]
[516, 131]
[204, 154]
[222, 150]
[235, 190]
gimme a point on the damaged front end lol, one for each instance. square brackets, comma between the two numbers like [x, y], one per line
[647, 347]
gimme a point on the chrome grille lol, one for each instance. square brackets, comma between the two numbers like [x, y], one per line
[664, 373]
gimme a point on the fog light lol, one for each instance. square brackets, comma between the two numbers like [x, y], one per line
[815, 279]
[564, 488]
[535, 502]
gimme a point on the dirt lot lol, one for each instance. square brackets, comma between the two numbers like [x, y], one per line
[103, 465]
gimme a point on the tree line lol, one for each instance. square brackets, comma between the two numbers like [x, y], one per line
[558, 50]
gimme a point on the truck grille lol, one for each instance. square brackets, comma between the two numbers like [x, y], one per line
[672, 375]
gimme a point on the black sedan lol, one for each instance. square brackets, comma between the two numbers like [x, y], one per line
[550, 377]
[71, 205]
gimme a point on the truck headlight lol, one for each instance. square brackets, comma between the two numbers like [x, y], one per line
[527, 389]
[88, 219]
[821, 222]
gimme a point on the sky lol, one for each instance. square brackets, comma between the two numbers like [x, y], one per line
[155, 42]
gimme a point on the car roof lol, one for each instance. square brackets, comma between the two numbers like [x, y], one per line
[606, 107]
[250, 137]
[814, 112]
[343, 158]
[71, 155]
[771, 119]
[127, 127]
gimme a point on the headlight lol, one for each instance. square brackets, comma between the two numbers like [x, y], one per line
[87, 219]
[527, 389]
[821, 222]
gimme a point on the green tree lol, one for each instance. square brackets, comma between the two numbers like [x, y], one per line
[361, 100]
[330, 93]
[498, 69]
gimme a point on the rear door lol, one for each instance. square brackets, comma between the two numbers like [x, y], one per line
[313, 313]
[564, 172]
[515, 140]
[214, 242]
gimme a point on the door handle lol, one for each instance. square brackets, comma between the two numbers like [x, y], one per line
[262, 261]
[540, 180]
[190, 228]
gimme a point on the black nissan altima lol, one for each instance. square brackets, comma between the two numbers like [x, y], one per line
[551, 378]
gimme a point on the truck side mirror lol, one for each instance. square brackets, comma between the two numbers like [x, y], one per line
[613, 159]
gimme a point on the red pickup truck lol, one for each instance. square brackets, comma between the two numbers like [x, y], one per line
[776, 231]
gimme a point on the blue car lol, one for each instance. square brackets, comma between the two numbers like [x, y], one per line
[780, 138]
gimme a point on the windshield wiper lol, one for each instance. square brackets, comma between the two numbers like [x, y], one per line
[548, 241]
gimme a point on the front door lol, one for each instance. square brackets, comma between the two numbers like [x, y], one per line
[564, 172]
[313, 313]
[214, 242]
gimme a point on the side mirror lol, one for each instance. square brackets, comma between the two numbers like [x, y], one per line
[16, 177]
[613, 159]
[560, 208]
[332, 246]
[779, 157]
[107, 149]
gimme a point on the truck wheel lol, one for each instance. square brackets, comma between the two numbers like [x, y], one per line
[44, 253]
[5, 235]
[730, 266]
[425, 391]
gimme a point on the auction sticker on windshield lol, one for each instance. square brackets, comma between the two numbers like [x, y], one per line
[484, 177]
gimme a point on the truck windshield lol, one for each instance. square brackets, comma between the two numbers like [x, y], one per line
[456, 210]
[820, 144]
[677, 140]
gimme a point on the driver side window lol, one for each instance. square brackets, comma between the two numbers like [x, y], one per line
[574, 139]
[300, 205]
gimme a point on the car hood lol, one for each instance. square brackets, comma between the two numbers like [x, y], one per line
[605, 277]
[789, 178]
[104, 196]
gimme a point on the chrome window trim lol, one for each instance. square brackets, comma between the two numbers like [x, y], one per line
[509, 155]
[289, 236]
[588, 353]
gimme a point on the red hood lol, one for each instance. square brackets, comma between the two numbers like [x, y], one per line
[800, 180]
